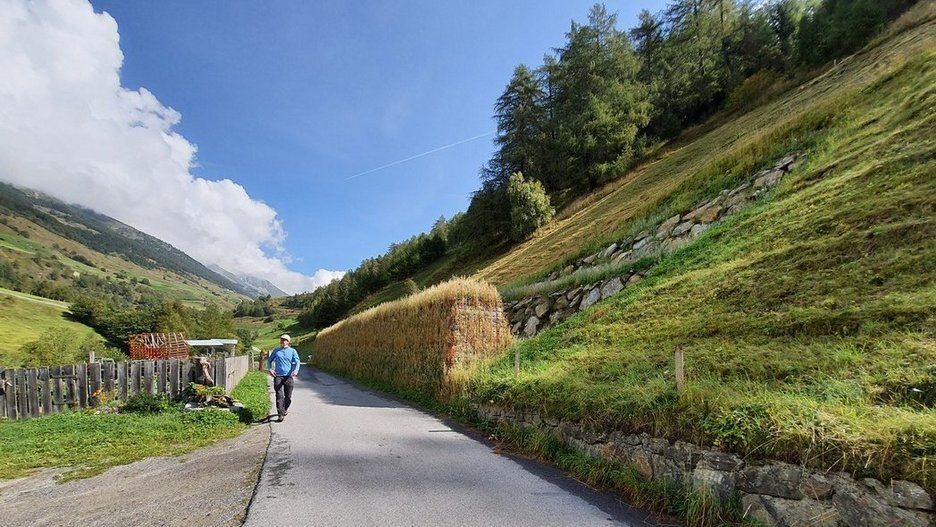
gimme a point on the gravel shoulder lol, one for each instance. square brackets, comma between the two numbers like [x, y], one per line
[211, 486]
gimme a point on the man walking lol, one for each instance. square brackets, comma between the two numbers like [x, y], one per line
[284, 366]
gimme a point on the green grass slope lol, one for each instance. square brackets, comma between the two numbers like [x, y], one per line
[23, 318]
[808, 321]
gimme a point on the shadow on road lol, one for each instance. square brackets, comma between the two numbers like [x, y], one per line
[333, 391]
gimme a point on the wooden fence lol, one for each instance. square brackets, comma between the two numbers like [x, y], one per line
[34, 392]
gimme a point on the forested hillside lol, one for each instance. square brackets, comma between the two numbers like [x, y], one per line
[89, 281]
[603, 102]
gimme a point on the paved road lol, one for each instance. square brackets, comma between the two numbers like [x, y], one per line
[347, 456]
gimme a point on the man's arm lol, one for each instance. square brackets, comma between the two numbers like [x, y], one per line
[295, 363]
[270, 364]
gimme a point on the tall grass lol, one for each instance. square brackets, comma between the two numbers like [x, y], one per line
[428, 341]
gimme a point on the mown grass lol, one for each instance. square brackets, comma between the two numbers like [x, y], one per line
[807, 320]
[86, 444]
[697, 167]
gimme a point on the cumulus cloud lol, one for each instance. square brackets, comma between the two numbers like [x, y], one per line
[68, 128]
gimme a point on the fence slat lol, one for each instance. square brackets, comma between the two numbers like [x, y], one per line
[55, 379]
[32, 391]
[185, 373]
[81, 370]
[71, 385]
[45, 392]
[174, 378]
[162, 368]
[148, 367]
[135, 377]
[22, 408]
[108, 374]
[122, 381]
[6, 387]
[94, 383]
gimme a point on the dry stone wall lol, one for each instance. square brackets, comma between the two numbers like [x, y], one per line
[531, 315]
[773, 493]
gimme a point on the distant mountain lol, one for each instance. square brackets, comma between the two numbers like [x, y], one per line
[108, 236]
[258, 286]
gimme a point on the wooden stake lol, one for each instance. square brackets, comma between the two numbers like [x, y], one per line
[680, 372]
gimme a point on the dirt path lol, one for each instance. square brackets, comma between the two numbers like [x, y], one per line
[211, 486]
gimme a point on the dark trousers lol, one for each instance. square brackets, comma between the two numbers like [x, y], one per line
[283, 387]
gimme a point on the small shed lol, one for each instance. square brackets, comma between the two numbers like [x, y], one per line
[212, 346]
[148, 346]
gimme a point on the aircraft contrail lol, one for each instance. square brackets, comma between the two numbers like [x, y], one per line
[417, 156]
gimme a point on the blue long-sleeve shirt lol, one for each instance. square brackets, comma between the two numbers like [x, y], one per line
[283, 361]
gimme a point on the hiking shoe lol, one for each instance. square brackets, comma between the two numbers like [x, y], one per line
[279, 419]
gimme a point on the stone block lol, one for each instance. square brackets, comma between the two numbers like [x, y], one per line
[621, 256]
[589, 259]
[785, 162]
[542, 308]
[609, 251]
[768, 179]
[722, 461]
[860, 505]
[656, 445]
[710, 214]
[611, 287]
[682, 228]
[567, 270]
[531, 327]
[664, 468]
[517, 328]
[634, 278]
[590, 298]
[561, 302]
[667, 227]
[909, 495]
[686, 455]
[752, 507]
[781, 480]
[553, 276]
[640, 243]
[698, 229]
[790, 513]
[718, 483]
[817, 487]
[574, 293]
[642, 463]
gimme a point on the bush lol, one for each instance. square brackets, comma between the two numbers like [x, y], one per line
[529, 206]
[146, 403]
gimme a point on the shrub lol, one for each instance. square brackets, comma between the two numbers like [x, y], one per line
[529, 206]
[146, 403]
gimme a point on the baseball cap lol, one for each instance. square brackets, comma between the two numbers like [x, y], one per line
[285, 337]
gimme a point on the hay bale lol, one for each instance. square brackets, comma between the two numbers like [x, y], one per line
[425, 341]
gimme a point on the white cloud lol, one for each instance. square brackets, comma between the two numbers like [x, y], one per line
[68, 128]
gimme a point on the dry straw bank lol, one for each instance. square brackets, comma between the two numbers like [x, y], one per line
[427, 341]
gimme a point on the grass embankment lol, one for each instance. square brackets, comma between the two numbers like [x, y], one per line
[807, 320]
[23, 318]
[419, 341]
[86, 444]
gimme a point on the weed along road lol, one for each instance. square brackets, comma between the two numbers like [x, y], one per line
[347, 456]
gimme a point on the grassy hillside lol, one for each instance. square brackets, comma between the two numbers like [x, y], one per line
[23, 318]
[807, 321]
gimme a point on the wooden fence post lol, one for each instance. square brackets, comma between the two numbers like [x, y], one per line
[680, 372]
[45, 392]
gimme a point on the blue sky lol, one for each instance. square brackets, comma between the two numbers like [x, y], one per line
[247, 133]
[289, 99]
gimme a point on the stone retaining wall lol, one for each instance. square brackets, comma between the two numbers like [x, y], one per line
[774, 493]
[531, 315]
